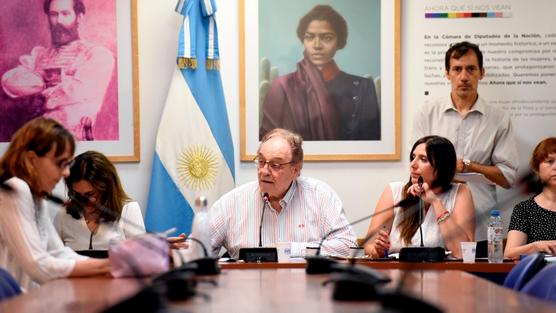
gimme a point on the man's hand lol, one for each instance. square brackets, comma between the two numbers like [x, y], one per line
[178, 242]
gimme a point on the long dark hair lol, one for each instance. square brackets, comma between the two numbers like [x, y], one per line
[442, 156]
[95, 168]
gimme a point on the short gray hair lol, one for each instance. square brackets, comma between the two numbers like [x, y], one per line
[294, 139]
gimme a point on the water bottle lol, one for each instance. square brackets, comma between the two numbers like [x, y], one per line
[200, 229]
[495, 238]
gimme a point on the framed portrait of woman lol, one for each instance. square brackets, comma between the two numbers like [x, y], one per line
[328, 70]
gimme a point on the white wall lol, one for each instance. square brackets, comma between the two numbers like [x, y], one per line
[359, 184]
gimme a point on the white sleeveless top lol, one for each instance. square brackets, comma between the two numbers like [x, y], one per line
[431, 232]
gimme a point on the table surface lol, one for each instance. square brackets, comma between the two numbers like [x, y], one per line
[282, 290]
[477, 267]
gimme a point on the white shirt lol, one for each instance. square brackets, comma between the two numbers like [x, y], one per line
[431, 233]
[76, 235]
[310, 210]
[483, 136]
[30, 248]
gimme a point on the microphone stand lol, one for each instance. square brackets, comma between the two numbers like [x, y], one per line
[358, 283]
[260, 253]
[422, 253]
[206, 265]
[265, 203]
[321, 265]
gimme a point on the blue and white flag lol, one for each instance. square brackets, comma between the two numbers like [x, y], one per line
[194, 153]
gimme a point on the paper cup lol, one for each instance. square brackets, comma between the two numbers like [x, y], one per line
[311, 251]
[284, 251]
[356, 252]
[468, 250]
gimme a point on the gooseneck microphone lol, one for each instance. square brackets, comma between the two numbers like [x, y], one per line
[422, 253]
[266, 201]
[319, 265]
[260, 253]
[420, 182]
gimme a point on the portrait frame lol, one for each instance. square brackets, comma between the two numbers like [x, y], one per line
[126, 148]
[387, 148]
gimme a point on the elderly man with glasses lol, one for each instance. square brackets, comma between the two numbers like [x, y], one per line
[296, 209]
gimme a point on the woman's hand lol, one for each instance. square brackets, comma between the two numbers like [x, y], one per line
[424, 191]
[548, 246]
[178, 242]
[380, 244]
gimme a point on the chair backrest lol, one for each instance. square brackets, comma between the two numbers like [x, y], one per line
[524, 271]
[8, 286]
[543, 285]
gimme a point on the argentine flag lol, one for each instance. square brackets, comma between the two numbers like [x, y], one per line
[194, 153]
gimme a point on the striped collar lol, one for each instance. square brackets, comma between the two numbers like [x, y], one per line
[287, 199]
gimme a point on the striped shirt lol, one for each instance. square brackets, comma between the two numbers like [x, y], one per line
[310, 210]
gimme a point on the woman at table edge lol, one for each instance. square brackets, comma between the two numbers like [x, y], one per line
[38, 156]
[533, 222]
[448, 212]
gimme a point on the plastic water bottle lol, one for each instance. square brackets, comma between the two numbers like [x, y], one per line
[495, 238]
[200, 229]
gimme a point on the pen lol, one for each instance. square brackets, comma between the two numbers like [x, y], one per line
[385, 251]
[168, 232]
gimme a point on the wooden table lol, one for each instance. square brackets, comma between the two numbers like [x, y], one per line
[282, 290]
[478, 267]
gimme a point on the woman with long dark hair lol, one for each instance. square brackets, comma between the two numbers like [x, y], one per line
[108, 214]
[448, 214]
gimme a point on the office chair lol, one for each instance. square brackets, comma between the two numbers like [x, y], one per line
[524, 271]
[8, 286]
[543, 285]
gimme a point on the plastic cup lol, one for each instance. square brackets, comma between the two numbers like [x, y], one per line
[468, 249]
[356, 252]
[284, 251]
[311, 250]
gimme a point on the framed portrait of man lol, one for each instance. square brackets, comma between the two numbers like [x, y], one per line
[327, 70]
[73, 61]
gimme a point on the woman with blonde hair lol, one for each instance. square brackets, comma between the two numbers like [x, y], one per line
[39, 155]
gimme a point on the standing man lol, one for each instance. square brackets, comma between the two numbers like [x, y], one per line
[482, 134]
[299, 209]
[69, 78]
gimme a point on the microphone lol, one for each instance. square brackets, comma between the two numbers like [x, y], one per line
[260, 253]
[266, 199]
[320, 265]
[420, 182]
[421, 253]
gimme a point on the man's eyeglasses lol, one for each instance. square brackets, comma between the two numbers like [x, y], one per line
[274, 166]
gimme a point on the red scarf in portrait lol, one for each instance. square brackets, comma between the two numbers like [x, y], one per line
[314, 101]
